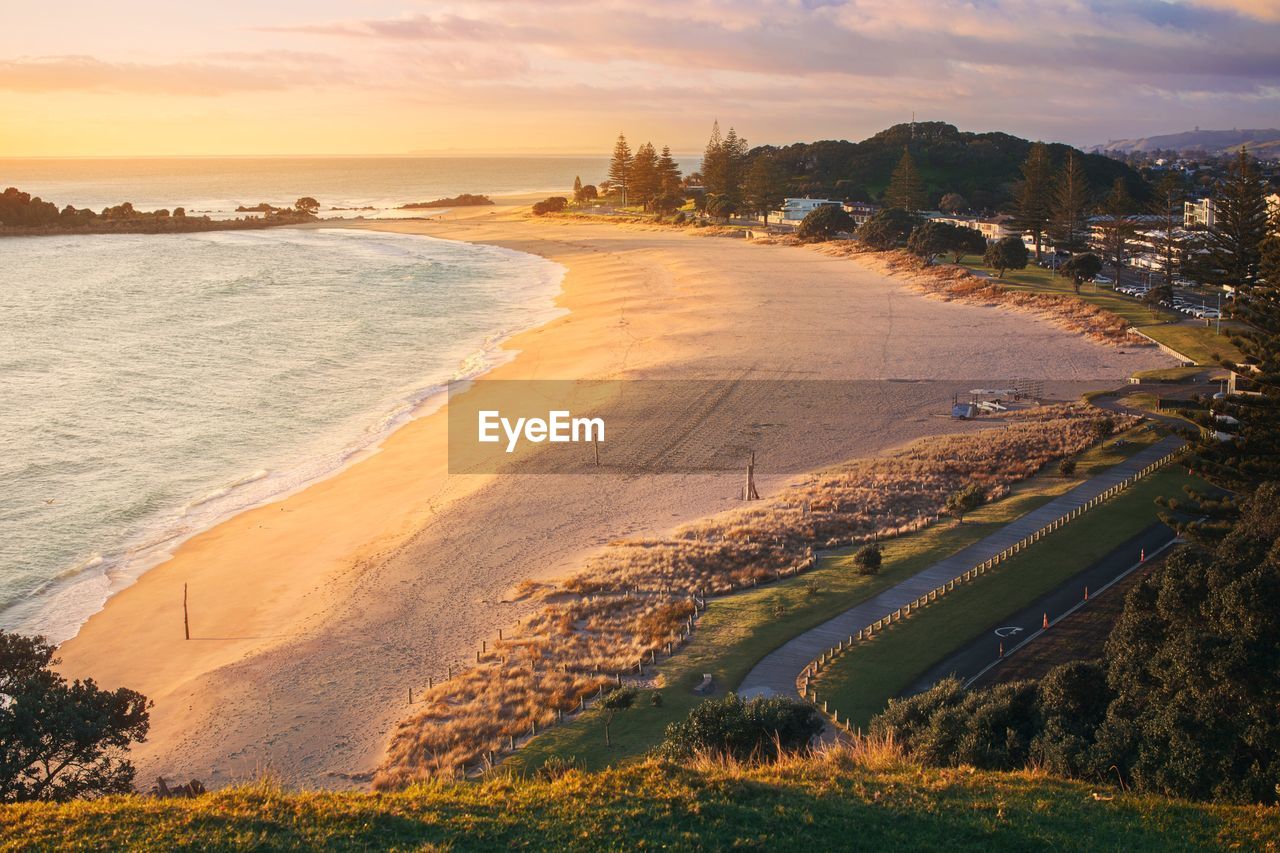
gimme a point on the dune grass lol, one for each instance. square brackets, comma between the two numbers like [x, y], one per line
[737, 631]
[840, 799]
[860, 682]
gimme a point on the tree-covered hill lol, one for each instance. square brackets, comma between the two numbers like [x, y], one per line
[982, 167]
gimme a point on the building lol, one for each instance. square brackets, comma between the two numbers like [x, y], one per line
[796, 209]
[861, 211]
[992, 227]
[1198, 214]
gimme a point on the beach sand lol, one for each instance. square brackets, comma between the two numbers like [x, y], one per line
[313, 617]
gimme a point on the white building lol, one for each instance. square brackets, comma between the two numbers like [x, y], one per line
[1198, 214]
[796, 209]
[992, 227]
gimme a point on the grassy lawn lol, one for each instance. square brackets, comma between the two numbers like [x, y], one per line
[1195, 341]
[861, 682]
[736, 631]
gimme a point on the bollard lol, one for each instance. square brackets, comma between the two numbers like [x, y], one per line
[1086, 593]
[1046, 621]
[1002, 648]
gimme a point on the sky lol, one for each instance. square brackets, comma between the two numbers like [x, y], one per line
[145, 77]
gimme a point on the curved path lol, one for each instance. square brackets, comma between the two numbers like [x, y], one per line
[776, 673]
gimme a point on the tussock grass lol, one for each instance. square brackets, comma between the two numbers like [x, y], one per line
[635, 600]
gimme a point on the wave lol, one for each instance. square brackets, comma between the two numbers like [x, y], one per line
[61, 604]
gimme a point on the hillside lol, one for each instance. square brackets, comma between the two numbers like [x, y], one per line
[1210, 141]
[869, 801]
[983, 167]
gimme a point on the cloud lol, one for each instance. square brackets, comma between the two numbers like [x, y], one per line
[1262, 10]
[232, 73]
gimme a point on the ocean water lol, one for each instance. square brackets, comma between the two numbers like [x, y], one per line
[151, 386]
[217, 185]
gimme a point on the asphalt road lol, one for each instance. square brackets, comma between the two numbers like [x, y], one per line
[976, 656]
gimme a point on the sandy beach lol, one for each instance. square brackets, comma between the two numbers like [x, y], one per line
[312, 617]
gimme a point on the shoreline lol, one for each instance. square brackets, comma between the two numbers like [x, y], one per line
[86, 586]
[315, 586]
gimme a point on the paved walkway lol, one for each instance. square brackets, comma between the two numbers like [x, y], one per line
[776, 673]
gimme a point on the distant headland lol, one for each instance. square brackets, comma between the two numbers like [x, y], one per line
[22, 214]
[464, 200]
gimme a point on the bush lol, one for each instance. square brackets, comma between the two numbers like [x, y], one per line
[751, 730]
[555, 204]
[958, 504]
[888, 229]
[935, 238]
[868, 559]
[825, 222]
[557, 767]
[1067, 467]
[1009, 253]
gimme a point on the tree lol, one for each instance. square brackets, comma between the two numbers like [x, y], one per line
[646, 182]
[888, 229]
[1082, 268]
[953, 202]
[555, 204]
[906, 189]
[724, 168]
[933, 238]
[620, 167]
[1240, 224]
[964, 501]
[1167, 239]
[868, 559]
[613, 702]
[577, 188]
[307, 205]
[61, 740]
[1069, 227]
[668, 173]
[1067, 467]
[765, 186]
[1035, 195]
[589, 193]
[1117, 226]
[1007, 253]
[823, 223]
[756, 729]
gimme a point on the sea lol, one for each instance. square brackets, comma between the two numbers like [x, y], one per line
[154, 385]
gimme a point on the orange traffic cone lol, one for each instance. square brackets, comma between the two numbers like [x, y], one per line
[1142, 557]
[1086, 593]
[1046, 620]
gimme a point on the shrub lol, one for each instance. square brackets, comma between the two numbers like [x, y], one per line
[557, 767]
[888, 229]
[964, 501]
[825, 222]
[935, 238]
[1009, 253]
[752, 730]
[555, 204]
[868, 559]
[1067, 467]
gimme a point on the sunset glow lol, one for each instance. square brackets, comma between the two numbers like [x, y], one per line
[561, 76]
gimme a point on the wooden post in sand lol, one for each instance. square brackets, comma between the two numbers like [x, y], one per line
[595, 442]
[186, 622]
[750, 493]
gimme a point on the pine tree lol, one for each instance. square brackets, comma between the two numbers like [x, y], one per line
[577, 188]
[668, 173]
[620, 167]
[1070, 227]
[714, 170]
[645, 180]
[735, 160]
[906, 189]
[1167, 207]
[1117, 226]
[765, 185]
[1240, 224]
[1034, 210]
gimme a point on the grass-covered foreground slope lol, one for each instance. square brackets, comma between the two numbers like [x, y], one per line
[838, 801]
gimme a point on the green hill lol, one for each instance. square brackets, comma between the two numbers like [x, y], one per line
[983, 167]
[840, 801]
